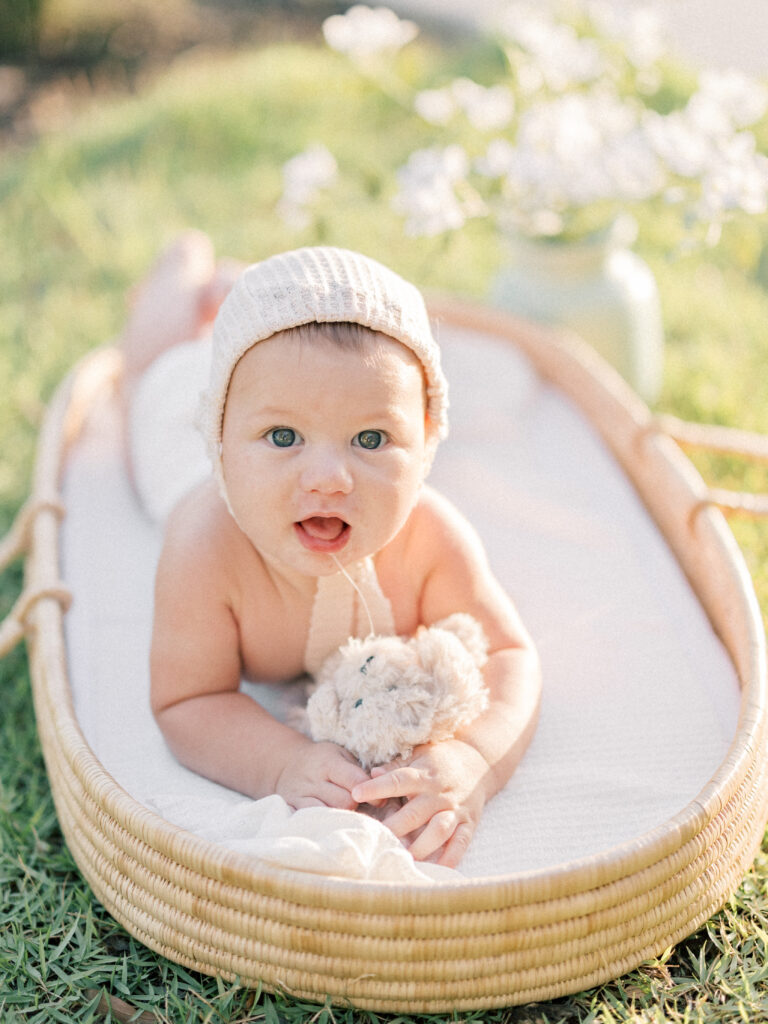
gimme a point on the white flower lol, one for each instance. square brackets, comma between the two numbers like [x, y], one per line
[727, 99]
[304, 175]
[487, 109]
[640, 27]
[427, 191]
[559, 56]
[365, 31]
[307, 172]
[571, 151]
[437, 106]
[633, 168]
[498, 160]
[737, 179]
[679, 142]
[731, 174]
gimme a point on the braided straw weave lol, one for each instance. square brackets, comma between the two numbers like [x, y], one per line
[483, 943]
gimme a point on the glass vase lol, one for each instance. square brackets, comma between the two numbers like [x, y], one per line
[597, 287]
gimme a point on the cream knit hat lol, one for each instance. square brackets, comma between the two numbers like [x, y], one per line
[322, 285]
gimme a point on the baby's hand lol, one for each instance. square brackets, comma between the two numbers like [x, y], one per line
[320, 775]
[444, 785]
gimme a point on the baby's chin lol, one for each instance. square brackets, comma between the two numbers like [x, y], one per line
[325, 563]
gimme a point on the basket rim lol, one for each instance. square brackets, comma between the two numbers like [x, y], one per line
[581, 371]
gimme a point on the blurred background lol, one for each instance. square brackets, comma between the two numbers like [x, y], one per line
[54, 52]
[709, 32]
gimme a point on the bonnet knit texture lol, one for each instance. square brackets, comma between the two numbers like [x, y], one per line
[324, 285]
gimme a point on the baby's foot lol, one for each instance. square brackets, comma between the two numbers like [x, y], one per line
[217, 289]
[172, 305]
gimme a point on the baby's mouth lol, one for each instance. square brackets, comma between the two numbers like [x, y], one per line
[323, 533]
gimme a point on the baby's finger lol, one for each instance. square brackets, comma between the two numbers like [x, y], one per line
[348, 774]
[389, 766]
[326, 795]
[400, 782]
[412, 816]
[377, 804]
[457, 845]
[376, 773]
[441, 832]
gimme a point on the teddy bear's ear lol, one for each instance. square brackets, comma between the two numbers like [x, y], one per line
[328, 669]
[323, 714]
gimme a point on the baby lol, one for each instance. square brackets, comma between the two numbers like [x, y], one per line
[324, 407]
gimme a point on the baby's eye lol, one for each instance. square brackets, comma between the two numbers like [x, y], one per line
[370, 439]
[282, 437]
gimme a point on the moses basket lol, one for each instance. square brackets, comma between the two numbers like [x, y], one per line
[482, 943]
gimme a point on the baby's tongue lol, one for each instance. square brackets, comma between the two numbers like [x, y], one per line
[323, 528]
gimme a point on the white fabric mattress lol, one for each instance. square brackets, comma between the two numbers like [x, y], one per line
[640, 699]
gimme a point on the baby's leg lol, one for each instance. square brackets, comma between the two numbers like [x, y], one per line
[175, 303]
[169, 306]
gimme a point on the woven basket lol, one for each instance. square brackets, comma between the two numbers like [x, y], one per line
[480, 944]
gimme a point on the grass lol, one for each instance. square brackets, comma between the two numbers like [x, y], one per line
[82, 213]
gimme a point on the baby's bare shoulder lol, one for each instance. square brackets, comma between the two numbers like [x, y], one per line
[435, 539]
[198, 515]
[436, 525]
[200, 534]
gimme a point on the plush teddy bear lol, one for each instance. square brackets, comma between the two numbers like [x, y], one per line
[382, 696]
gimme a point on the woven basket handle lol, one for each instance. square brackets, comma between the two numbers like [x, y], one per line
[743, 444]
[16, 543]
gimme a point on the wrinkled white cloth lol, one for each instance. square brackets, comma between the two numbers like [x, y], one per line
[640, 699]
[320, 840]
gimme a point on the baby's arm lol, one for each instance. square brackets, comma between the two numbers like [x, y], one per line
[210, 727]
[447, 784]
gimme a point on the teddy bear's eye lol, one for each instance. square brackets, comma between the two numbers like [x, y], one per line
[391, 689]
[358, 703]
[368, 660]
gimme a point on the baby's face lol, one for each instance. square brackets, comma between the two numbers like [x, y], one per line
[323, 448]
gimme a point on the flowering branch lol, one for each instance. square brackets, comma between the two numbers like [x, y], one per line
[561, 141]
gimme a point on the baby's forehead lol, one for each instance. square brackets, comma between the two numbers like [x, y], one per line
[347, 336]
[350, 342]
[313, 361]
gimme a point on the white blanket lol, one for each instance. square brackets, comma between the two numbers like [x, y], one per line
[640, 700]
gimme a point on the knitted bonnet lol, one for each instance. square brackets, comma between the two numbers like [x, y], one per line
[316, 285]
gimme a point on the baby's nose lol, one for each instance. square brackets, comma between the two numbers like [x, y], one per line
[326, 470]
